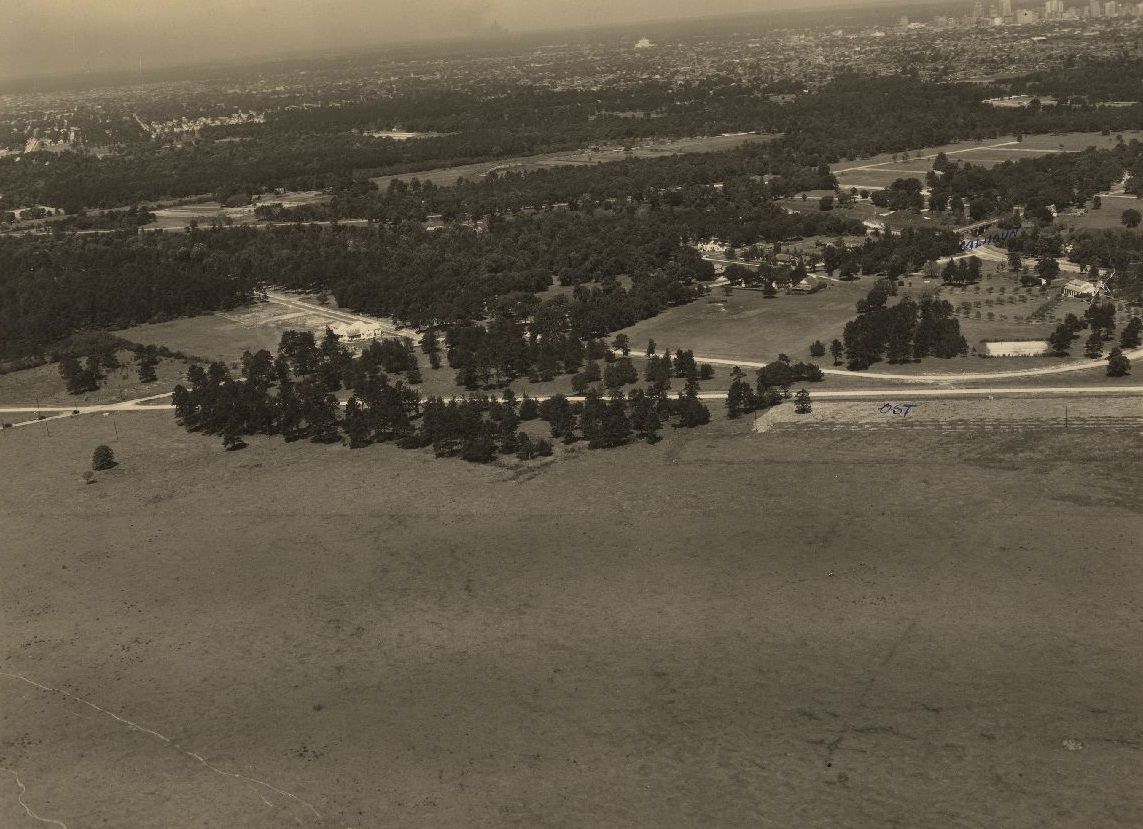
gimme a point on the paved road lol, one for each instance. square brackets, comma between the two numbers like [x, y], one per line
[144, 404]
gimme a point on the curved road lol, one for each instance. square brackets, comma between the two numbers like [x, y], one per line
[936, 377]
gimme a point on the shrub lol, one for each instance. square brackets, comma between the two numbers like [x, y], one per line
[102, 458]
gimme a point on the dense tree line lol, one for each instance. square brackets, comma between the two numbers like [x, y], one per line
[676, 181]
[893, 254]
[1086, 81]
[53, 287]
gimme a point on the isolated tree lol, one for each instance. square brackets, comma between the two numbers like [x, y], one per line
[1096, 203]
[102, 458]
[1131, 217]
[356, 424]
[1094, 346]
[837, 351]
[817, 349]
[147, 362]
[1048, 268]
[525, 449]
[529, 408]
[1061, 339]
[430, 342]
[232, 441]
[480, 448]
[1132, 334]
[802, 403]
[691, 410]
[622, 343]
[80, 379]
[740, 397]
[1117, 363]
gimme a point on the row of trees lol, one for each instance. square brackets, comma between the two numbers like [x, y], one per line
[294, 394]
[84, 374]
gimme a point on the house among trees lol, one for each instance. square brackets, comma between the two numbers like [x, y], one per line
[357, 333]
[1080, 288]
[808, 285]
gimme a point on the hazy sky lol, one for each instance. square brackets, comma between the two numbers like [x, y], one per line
[54, 36]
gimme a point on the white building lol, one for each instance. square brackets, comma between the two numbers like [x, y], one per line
[1080, 288]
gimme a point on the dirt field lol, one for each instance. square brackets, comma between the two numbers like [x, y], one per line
[968, 415]
[804, 628]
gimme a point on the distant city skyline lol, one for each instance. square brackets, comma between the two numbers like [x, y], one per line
[50, 37]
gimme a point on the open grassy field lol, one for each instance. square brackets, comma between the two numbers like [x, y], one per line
[204, 213]
[226, 334]
[1108, 217]
[447, 176]
[749, 325]
[43, 385]
[882, 169]
[811, 628]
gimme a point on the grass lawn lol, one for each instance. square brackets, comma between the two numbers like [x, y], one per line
[804, 628]
[1108, 217]
[747, 325]
[43, 385]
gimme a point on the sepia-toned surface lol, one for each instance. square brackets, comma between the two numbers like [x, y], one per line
[797, 628]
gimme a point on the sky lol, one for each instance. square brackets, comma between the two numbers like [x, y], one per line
[48, 37]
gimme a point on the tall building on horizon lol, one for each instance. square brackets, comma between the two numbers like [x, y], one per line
[1005, 8]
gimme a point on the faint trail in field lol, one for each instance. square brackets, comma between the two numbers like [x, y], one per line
[27, 808]
[168, 741]
[835, 744]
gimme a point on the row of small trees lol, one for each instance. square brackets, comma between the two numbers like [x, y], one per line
[86, 376]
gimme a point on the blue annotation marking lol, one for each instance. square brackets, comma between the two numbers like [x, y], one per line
[901, 409]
